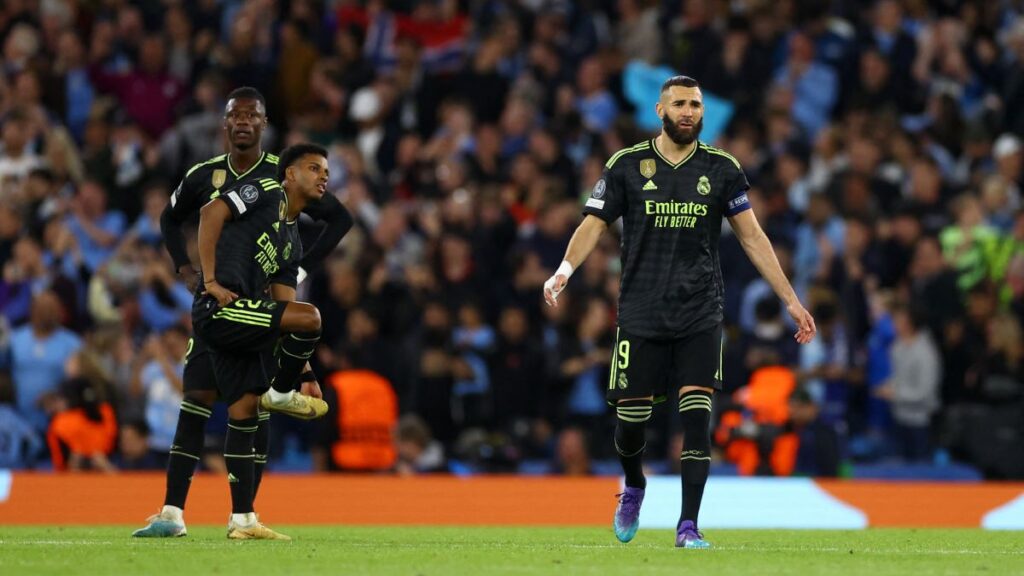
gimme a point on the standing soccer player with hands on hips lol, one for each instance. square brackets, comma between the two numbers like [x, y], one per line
[671, 193]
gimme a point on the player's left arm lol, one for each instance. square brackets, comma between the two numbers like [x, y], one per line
[338, 222]
[759, 249]
[286, 293]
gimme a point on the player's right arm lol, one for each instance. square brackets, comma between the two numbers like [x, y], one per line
[181, 203]
[605, 205]
[211, 223]
[583, 241]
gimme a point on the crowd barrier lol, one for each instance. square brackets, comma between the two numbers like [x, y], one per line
[35, 498]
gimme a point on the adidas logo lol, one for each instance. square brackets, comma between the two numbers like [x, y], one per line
[232, 479]
[650, 185]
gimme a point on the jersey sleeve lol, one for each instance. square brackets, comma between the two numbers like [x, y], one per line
[184, 200]
[735, 198]
[287, 274]
[606, 200]
[244, 199]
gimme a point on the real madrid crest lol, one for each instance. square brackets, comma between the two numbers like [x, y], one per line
[219, 177]
[282, 210]
[288, 251]
[703, 186]
[648, 167]
[623, 381]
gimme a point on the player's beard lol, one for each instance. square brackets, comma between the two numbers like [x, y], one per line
[679, 135]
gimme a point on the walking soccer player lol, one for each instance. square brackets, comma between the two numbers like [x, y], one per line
[671, 192]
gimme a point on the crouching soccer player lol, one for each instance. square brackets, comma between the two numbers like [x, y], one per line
[248, 239]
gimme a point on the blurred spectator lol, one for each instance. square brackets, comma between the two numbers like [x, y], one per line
[83, 432]
[39, 352]
[913, 389]
[134, 451]
[19, 442]
[157, 379]
[572, 455]
[17, 158]
[418, 452]
[95, 229]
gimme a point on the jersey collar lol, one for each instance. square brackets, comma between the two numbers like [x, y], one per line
[654, 145]
[238, 176]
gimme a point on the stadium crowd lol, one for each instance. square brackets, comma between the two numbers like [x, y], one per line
[882, 141]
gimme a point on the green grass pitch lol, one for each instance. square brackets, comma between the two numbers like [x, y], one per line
[447, 551]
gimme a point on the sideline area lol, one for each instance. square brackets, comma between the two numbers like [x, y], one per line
[32, 498]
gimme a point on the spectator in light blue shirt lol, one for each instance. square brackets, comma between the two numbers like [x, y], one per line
[95, 229]
[164, 301]
[39, 352]
[158, 377]
[19, 443]
[814, 86]
[595, 104]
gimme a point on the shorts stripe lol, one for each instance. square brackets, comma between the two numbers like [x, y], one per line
[251, 313]
[615, 363]
[242, 319]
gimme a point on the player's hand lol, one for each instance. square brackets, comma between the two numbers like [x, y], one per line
[805, 328]
[222, 294]
[553, 287]
[189, 276]
[311, 389]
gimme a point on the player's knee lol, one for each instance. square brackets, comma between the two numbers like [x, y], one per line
[314, 319]
[631, 426]
[309, 319]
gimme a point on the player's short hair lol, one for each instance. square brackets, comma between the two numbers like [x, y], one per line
[247, 93]
[291, 155]
[684, 81]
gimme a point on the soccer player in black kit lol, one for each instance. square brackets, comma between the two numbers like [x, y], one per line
[249, 243]
[244, 122]
[671, 193]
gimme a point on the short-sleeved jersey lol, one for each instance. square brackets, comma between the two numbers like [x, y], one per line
[206, 180]
[672, 220]
[257, 246]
